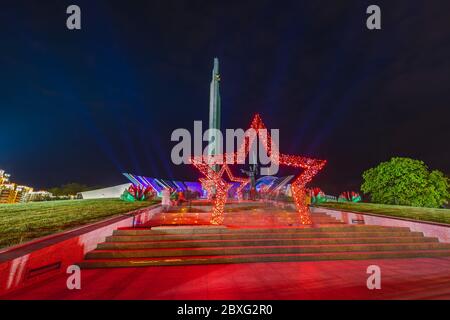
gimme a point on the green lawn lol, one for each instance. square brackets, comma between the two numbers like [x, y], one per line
[25, 221]
[425, 214]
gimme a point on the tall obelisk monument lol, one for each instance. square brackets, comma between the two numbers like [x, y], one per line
[214, 106]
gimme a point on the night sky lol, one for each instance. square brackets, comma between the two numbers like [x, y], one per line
[84, 106]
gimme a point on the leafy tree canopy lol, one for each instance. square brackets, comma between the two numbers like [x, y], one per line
[70, 189]
[406, 181]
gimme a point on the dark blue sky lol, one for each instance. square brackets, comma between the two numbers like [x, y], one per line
[84, 106]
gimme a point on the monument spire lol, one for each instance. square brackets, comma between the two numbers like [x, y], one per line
[214, 105]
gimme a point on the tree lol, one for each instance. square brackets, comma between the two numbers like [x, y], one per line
[69, 189]
[406, 181]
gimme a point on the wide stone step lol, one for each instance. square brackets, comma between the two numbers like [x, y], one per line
[320, 214]
[319, 217]
[255, 242]
[243, 236]
[327, 223]
[242, 250]
[227, 259]
[224, 230]
[326, 220]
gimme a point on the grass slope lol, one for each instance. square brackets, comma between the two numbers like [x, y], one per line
[25, 221]
[416, 213]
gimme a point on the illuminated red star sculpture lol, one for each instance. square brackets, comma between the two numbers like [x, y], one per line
[242, 181]
[214, 181]
[310, 166]
[208, 184]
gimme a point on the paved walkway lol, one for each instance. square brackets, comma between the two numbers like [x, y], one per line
[424, 278]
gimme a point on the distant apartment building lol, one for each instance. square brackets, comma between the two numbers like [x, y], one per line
[11, 192]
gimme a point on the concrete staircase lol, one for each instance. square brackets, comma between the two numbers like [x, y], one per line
[321, 218]
[327, 239]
